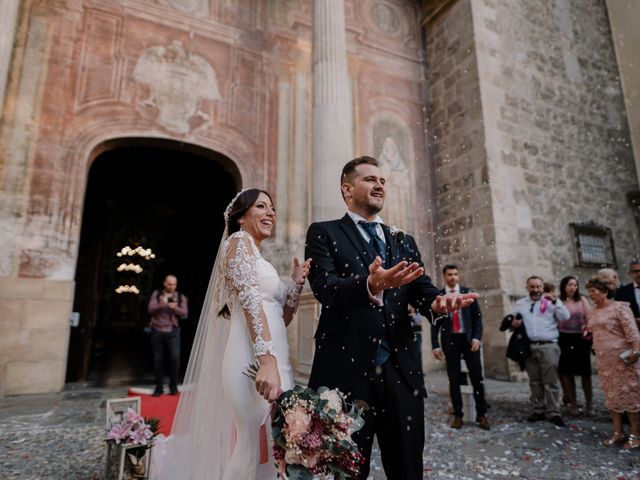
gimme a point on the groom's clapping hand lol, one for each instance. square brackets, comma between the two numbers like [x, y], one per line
[383, 279]
[453, 301]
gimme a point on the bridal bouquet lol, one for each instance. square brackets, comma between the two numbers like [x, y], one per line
[312, 434]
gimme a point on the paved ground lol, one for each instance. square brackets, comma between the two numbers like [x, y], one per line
[60, 437]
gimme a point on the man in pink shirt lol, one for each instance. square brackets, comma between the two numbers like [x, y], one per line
[166, 307]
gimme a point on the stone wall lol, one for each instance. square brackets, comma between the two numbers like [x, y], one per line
[624, 17]
[557, 139]
[34, 319]
[529, 135]
[465, 234]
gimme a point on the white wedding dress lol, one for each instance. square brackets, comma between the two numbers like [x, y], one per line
[252, 283]
[216, 431]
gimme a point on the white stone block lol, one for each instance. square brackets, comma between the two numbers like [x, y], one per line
[47, 314]
[34, 377]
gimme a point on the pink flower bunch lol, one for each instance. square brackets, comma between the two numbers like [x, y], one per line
[132, 429]
[312, 440]
[312, 434]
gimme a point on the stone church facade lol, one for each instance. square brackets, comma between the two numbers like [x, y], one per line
[502, 128]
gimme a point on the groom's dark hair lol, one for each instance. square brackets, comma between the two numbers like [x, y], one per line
[349, 170]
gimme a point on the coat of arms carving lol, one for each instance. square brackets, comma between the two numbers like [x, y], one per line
[177, 84]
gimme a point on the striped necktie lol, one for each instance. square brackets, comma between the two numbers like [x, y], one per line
[374, 240]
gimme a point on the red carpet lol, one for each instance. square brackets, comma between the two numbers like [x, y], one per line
[162, 407]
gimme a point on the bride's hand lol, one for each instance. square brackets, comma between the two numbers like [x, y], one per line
[268, 379]
[300, 270]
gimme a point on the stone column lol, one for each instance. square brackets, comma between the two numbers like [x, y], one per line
[624, 18]
[332, 114]
[8, 18]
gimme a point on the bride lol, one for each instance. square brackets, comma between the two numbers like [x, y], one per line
[217, 433]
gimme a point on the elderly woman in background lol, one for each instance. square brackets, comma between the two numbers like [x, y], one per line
[575, 349]
[616, 341]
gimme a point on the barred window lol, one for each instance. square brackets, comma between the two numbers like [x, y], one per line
[593, 245]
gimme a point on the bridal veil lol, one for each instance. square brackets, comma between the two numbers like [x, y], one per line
[201, 439]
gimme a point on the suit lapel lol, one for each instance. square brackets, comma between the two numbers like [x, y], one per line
[355, 237]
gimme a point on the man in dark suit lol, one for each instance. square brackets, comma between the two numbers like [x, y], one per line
[461, 336]
[365, 277]
[631, 293]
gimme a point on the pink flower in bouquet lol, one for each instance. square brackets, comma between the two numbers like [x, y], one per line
[312, 434]
[298, 423]
[140, 435]
[134, 417]
[313, 439]
[133, 428]
[119, 432]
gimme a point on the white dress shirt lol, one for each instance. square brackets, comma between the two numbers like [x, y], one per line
[541, 326]
[455, 289]
[378, 220]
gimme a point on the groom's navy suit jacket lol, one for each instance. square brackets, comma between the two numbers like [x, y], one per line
[350, 325]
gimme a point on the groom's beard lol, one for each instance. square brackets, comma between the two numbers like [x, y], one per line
[373, 209]
[367, 205]
[372, 206]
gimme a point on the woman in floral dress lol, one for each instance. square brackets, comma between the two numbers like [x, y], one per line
[614, 332]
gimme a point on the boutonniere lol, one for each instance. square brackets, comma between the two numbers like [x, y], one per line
[396, 233]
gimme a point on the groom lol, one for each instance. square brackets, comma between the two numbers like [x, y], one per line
[365, 277]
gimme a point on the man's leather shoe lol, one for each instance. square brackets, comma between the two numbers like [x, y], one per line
[535, 417]
[483, 423]
[157, 392]
[174, 391]
[557, 421]
[456, 423]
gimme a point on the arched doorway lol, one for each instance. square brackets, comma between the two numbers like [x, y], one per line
[166, 198]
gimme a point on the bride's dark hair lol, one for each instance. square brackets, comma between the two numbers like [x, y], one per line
[241, 205]
[237, 209]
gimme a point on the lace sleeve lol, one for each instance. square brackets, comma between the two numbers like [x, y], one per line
[292, 297]
[242, 282]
